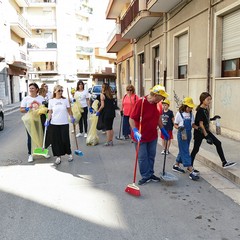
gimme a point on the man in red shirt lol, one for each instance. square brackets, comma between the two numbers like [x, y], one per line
[148, 134]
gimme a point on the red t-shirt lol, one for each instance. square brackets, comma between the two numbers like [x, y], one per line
[150, 119]
[128, 103]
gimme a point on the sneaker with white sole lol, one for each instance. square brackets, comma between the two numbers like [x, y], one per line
[195, 171]
[228, 164]
[177, 168]
[155, 178]
[30, 158]
[163, 152]
[193, 176]
[85, 135]
[58, 161]
[70, 158]
[79, 135]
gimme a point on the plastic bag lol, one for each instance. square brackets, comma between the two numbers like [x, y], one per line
[77, 111]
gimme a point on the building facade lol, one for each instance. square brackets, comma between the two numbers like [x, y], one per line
[189, 46]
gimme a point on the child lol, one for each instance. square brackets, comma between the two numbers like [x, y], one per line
[203, 131]
[168, 122]
[184, 122]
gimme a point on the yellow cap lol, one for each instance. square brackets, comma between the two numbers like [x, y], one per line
[159, 90]
[166, 101]
[189, 102]
[73, 90]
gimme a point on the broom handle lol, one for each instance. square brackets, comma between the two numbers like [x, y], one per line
[165, 156]
[74, 127]
[138, 144]
[44, 137]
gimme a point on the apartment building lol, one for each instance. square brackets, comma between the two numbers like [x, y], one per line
[190, 46]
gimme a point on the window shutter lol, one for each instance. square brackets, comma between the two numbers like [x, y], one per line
[183, 50]
[231, 36]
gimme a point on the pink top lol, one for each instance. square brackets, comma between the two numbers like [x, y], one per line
[128, 103]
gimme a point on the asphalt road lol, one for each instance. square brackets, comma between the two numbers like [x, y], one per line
[85, 199]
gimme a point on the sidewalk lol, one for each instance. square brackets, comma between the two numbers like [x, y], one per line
[208, 156]
[11, 107]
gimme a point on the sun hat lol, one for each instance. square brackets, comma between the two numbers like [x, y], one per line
[166, 101]
[159, 90]
[188, 102]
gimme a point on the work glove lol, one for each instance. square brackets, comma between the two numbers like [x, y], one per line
[136, 134]
[215, 118]
[91, 110]
[73, 100]
[97, 114]
[181, 128]
[165, 133]
[121, 113]
[72, 119]
[27, 109]
[209, 140]
[47, 122]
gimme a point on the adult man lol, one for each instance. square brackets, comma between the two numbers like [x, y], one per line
[146, 117]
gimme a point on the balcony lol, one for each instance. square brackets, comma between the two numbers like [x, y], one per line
[84, 50]
[116, 42]
[22, 3]
[161, 5]
[42, 3]
[115, 8]
[43, 68]
[20, 26]
[137, 20]
[103, 54]
[83, 66]
[83, 31]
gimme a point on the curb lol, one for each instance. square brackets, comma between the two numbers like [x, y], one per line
[10, 109]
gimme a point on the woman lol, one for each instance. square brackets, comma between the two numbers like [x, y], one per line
[59, 109]
[128, 102]
[108, 107]
[28, 103]
[203, 131]
[82, 96]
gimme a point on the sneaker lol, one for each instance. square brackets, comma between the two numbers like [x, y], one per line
[85, 135]
[195, 171]
[167, 152]
[193, 176]
[58, 161]
[79, 135]
[144, 181]
[72, 131]
[47, 156]
[154, 178]
[107, 144]
[163, 152]
[70, 158]
[176, 168]
[30, 158]
[229, 164]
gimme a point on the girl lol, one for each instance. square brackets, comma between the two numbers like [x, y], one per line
[128, 102]
[202, 130]
[82, 96]
[59, 109]
[108, 107]
[184, 122]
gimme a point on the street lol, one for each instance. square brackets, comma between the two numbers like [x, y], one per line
[85, 199]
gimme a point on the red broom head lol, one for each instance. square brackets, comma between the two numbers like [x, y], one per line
[133, 190]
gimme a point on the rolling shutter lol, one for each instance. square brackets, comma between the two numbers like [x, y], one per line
[183, 50]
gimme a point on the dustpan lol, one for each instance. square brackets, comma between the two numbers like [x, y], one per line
[42, 151]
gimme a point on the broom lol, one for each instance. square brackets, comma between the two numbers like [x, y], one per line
[132, 188]
[42, 151]
[77, 151]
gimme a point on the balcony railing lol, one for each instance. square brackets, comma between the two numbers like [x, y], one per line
[131, 13]
[43, 1]
[84, 50]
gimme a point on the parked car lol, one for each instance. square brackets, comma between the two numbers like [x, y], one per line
[1, 116]
[96, 91]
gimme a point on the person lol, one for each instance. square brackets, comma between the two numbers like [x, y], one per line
[48, 93]
[58, 111]
[128, 103]
[202, 131]
[82, 96]
[107, 106]
[168, 123]
[184, 121]
[148, 136]
[28, 103]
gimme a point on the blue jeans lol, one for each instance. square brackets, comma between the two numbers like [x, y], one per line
[146, 158]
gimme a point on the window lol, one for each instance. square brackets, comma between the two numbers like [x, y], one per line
[182, 56]
[156, 70]
[230, 45]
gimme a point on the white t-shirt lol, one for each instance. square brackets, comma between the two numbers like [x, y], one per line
[82, 97]
[28, 100]
[48, 96]
[59, 111]
[179, 120]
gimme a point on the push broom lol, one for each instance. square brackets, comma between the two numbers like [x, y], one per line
[132, 188]
[77, 151]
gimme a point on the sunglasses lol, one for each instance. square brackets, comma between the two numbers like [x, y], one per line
[60, 90]
[130, 90]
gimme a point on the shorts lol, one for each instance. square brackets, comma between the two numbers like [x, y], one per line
[108, 123]
[170, 134]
